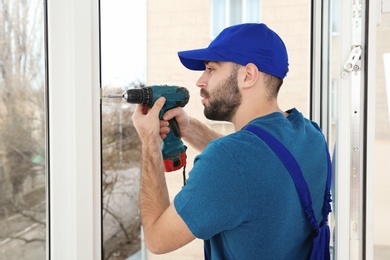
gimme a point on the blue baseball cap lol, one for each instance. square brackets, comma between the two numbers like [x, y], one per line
[242, 44]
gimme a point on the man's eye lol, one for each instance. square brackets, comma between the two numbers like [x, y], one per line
[209, 69]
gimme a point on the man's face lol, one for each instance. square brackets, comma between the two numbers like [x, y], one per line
[221, 96]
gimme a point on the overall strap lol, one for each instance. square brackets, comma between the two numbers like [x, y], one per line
[295, 171]
[328, 199]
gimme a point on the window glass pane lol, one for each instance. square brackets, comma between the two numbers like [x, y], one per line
[335, 16]
[230, 12]
[123, 59]
[218, 16]
[235, 12]
[22, 131]
[382, 141]
[253, 12]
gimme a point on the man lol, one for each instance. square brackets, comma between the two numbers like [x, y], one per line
[239, 197]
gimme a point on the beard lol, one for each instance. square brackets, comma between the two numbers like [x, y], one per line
[224, 99]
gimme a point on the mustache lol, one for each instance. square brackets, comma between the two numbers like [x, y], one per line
[204, 93]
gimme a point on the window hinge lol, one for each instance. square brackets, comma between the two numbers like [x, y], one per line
[352, 63]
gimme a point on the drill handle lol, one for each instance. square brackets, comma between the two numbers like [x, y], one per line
[174, 127]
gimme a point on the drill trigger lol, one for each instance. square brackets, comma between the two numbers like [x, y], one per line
[145, 109]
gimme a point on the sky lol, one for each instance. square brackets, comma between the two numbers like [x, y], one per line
[123, 42]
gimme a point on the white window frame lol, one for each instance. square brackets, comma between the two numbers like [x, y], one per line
[74, 130]
[348, 243]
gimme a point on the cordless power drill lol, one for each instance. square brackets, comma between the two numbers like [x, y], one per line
[173, 149]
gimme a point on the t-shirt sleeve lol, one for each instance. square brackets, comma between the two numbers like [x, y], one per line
[215, 197]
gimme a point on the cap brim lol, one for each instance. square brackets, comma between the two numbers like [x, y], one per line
[194, 59]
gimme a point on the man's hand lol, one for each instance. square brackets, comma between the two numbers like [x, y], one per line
[182, 119]
[148, 125]
[197, 134]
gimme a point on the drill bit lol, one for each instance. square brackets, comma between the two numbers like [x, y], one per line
[113, 96]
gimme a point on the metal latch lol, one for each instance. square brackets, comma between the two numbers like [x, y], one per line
[352, 63]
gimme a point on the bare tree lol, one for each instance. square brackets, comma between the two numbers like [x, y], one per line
[21, 88]
[22, 117]
[120, 181]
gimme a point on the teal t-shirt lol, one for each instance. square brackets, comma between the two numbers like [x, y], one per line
[241, 200]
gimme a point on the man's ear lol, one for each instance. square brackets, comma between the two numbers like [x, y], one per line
[251, 75]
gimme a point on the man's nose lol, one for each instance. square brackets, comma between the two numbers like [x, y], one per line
[201, 82]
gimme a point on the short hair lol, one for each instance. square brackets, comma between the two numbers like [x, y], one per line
[272, 85]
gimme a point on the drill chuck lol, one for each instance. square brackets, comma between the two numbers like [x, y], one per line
[139, 96]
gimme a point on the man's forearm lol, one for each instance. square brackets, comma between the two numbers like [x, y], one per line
[154, 197]
[199, 135]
